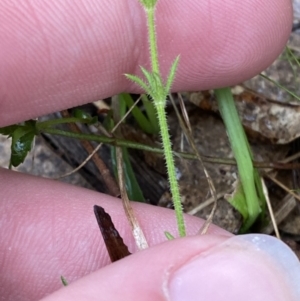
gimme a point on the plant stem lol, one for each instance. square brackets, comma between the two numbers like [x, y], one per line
[135, 145]
[241, 150]
[52, 122]
[171, 168]
[152, 40]
[159, 95]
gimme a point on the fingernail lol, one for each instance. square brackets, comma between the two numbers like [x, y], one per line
[245, 267]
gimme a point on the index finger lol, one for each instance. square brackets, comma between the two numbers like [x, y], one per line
[55, 55]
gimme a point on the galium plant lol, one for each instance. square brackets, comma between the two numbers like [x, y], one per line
[158, 90]
[248, 198]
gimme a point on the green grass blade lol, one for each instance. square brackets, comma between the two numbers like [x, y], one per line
[140, 118]
[151, 113]
[132, 187]
[280, 86]
[242, 154]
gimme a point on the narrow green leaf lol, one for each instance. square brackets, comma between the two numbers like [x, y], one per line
[294, 95]
[238, 201]
[108, 121]
[157, 88]
[172, 74]
[26, 126]
[292, 59]
[140, 118]
[122, 106]
[242, 152]
[139, 82]
[148, 75]
[8, 130]
[169, 236]
[132, 187]
[151, 113]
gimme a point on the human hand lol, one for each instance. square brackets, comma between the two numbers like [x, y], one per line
[58, 55]
[48, 229]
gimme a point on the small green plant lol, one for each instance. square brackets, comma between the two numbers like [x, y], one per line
[248, 201]
[22, 140]
[155, 87]
[23, 134]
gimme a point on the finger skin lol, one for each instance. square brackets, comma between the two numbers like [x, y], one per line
[58, 54]
[195, 268]
[143, 276]
[48, 229]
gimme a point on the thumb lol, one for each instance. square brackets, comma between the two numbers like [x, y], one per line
[210, 267]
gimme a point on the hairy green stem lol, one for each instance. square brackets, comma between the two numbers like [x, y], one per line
[159, 94]
[171, 168]
[152, 40]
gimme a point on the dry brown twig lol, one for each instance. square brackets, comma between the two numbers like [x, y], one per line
[273, 218]
[104, 171]
[93, 151]
[137, 231]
